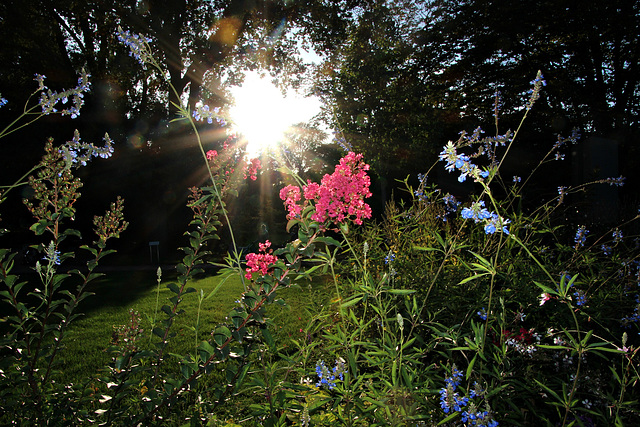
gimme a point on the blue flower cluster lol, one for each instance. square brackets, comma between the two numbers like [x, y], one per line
[462, 163]
[482, 313]
[573, 138]
[420, 195]
[492, 221]
[138, 46]
[450, 203]
[497, 104]
[562, 191]
[537, 83]
[3, 102]
[76, 152]
[342, 142]
[450, 399]
[581, 298]
[617, 236]
[203, 112]
[635, 317]
[50, 99]
[328, 378]
[618, 182]
[478, 418]
[581, 236]
[52, 257]
[390, 258]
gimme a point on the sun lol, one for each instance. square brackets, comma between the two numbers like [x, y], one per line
[262, 114]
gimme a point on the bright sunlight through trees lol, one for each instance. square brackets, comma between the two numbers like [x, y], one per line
[262, 113]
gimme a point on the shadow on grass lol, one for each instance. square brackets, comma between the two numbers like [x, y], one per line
[122, 287]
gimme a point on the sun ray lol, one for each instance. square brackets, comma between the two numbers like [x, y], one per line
[262, 114]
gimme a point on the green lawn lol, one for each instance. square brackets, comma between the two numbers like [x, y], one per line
[89, 336]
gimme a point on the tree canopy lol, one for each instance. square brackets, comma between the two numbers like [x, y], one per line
[398, 78]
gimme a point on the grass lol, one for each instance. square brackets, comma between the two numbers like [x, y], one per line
[89, 337]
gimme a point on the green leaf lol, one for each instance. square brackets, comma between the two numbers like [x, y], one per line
[266, 333]
[351, 302]
[173, 287]
[401, 291]
[221, 334]
[470, 367]
[40, 227]
[449, 418]
[328, 241]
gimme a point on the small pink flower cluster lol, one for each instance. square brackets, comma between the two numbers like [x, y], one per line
[338, 197]
[261, 261]
[212, 154]
[252, 169]
[291, 196]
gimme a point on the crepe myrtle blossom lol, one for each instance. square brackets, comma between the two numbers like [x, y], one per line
[291, 196]
[251, 170]
[261, 262]
[339, 196]
[211, 155]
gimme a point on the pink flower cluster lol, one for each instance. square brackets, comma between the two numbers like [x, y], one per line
[338, 197]
[212, 154]
[261, 261]
[291, 196]
[252, 169]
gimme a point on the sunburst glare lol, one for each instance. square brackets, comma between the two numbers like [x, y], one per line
[262, 114]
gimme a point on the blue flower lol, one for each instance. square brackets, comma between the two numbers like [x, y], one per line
[328, 378]
[581, 298]
[467, 213]
[389, 258]
[537, 83]
[492, 221]
[617, 236]
[483, 315]
[137, 44]
[420, 195]
[618, 182]
[581, 236]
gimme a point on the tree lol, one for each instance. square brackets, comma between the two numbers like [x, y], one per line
[377, 91]
[587, 50]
